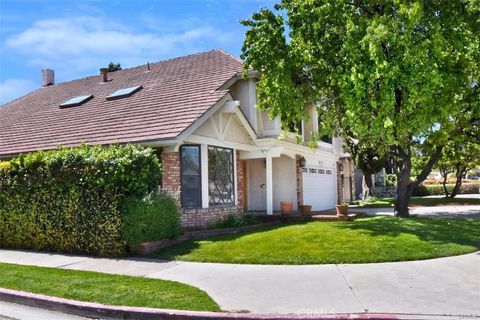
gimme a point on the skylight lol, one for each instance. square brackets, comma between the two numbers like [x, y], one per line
[76, 101]
[122, 93]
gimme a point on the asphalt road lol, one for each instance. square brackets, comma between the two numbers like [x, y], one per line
[13, 311]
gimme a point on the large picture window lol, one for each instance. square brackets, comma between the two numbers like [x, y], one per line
[191, 179]
[221, 184]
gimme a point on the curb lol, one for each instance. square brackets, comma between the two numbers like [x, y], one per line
[102, 311]
[97, 310]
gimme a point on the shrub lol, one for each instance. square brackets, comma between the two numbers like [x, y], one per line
[72, 199]
[150, 218]
[390, 180]
[235, 221]
[437, 189]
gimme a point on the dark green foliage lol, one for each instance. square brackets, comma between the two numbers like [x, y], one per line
[71, 199]
[437, 189]
[112, 67]
[150, 218]
[235, 221]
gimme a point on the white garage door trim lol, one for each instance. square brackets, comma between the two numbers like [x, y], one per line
[319, 188]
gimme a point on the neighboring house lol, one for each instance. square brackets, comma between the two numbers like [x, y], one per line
[220, 154]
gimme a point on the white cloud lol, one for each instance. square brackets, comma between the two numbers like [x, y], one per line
[74, 45]
[13, 88]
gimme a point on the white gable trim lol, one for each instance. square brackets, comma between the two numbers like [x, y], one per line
[224, 106]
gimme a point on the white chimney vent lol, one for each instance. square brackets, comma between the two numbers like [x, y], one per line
[48, 77]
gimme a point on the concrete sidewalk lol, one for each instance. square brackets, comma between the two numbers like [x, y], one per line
[445, 286]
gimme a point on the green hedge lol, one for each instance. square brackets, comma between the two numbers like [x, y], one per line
[437, 189]
[75, 199]
[150, 218]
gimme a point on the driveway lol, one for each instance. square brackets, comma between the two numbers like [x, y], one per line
[438, 286]
[450, 211]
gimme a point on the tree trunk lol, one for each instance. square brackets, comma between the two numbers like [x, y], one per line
[404, 186]
[458, 182]
[444, 182]
[403, 192]
[369, 183]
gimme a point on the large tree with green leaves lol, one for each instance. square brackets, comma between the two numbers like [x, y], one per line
[394, 74]
[460, 155]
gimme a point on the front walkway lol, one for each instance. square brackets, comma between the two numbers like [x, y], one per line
[438, 286]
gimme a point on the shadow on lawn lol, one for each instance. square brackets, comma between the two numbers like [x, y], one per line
[184, 248]
[458, 231]
[442, 231]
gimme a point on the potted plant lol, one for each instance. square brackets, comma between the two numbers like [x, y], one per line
[342, 209]
[306, 209]
[286, 207]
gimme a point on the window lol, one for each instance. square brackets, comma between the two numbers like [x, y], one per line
[190, 176]
[76, 101]
[221, 184]
[123, 93]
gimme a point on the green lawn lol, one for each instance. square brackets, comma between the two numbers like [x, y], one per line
[364, 240]
[105, 288]
[419, 201]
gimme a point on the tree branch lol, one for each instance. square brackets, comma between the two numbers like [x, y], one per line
[428, 167]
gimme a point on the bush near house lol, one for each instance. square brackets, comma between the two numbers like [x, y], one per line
[437, 189]
[79, 200]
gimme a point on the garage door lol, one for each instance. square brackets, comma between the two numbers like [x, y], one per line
[319, 188]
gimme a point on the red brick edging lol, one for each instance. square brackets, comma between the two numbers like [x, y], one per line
[97, 310]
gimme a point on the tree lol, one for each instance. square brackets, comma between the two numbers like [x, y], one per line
[367, 160]
[112, 67]
[460, 155]
[396, 75]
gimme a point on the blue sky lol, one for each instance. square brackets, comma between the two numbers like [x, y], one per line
[76, 38]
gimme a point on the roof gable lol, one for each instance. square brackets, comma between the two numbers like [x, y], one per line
[175, 93]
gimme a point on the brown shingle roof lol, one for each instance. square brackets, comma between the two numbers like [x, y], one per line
[175, 93]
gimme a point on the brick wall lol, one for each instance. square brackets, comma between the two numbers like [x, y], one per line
[299, 171]
[208, 216]
[198, 217]
[240, 180]
[340, 184]
[171, 174]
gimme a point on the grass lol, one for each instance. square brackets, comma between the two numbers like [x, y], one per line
[365, 240]
[418, 201]
[105, 288]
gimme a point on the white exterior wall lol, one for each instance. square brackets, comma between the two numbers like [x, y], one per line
[257, 192]
[244, 91]
[284, 182]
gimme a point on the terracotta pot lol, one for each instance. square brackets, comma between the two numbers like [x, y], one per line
[341, 209]
[286, 206]
[305, 209]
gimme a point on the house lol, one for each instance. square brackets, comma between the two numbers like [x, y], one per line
[220, 154]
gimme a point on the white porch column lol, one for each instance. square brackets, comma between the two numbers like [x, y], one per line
[268, 182]
[204, 174]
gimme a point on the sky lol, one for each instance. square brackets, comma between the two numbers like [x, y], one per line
[77, 38]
